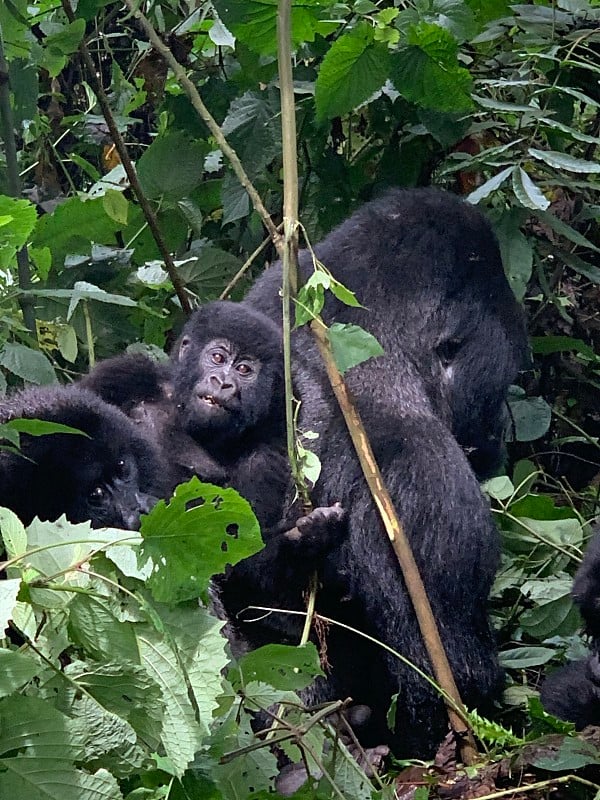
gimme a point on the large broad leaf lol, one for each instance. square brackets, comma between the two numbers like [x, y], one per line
[29, 364]
[172, 166]
[185, 659]
[281, 666]
[17, 220]
[201, 530]
[526, 192]
[426, 70]
[254, 22]
[516, 249]
[354, 68]
[253, 128]
[73, 226]
[352, 345]
[559, 160]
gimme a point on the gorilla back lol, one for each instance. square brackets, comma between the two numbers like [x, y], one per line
[107, 475]
[427, 268]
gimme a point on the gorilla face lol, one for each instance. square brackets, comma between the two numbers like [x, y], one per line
[227, 374]
[107, 475]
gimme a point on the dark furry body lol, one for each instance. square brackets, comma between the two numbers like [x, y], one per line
[573, 692]
[428, 270]
[56, 473]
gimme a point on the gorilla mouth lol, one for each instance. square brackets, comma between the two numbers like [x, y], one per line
[211, 401]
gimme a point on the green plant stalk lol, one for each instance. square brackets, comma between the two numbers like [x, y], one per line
[14, 187]
[290, 226]
[89, 334]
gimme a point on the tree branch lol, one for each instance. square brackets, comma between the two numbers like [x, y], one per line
[136, 187]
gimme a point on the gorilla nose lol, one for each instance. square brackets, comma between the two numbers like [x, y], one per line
[145, 502]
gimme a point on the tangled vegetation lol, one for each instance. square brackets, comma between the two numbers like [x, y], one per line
[122, 687]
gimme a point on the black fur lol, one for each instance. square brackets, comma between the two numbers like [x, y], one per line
[108, 476]
[573, 692]
[142, 388]
[427, 268]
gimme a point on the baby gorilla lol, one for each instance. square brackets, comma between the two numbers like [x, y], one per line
[106, 475]
[573, 692]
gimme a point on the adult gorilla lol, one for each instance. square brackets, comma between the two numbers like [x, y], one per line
[428, 270]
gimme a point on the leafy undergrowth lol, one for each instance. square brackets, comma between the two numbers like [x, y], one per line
[116, 680]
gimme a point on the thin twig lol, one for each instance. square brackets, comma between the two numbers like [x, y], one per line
[244, 268]
[136, 187]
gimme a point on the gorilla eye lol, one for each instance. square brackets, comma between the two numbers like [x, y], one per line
[121, 468]
[244, 369]
[97, 495]
[218, 358]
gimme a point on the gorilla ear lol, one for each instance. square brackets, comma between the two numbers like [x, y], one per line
[185, 343]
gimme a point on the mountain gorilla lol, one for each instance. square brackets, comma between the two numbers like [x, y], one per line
[217, 410]
[107, 476]
[142, 388]
[428, 270]
[573, 692]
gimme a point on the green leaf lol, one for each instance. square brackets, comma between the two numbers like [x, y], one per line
[185, 659]
[545, 345]
[16, 669]
[524, 657]
[281, 666]
[21, 218]
[87, 291]
[531, 417]
[351, 345]
[355, 67]
[201, 530]
[116, 205]
[95, 624]
[9, 589]
[59, 45]
[172, 166]
[489, 186]
[559, 160]
[39, 427]
[42, 779]
[556, 618]
[566, 230]
[13, 533]
[31, 727]
[573, 754]
[30, 365]
[426, 71]
[526, 192]
[73, 226]
[516, 249]
[254, 22]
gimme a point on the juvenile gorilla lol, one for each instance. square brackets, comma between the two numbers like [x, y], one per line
[221, 399]
[427, 269]
[107, 476]
[142, 388]
[573, 692]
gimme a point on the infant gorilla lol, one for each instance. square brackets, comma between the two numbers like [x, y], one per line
[573, 692]
[107, 475]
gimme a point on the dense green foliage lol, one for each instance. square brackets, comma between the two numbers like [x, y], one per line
[119, 689]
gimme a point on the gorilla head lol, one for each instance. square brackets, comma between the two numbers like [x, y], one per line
[106, 475]
[228, 373]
